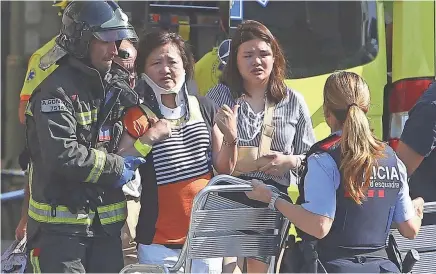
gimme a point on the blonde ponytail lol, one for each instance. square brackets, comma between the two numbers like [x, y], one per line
[346, 96]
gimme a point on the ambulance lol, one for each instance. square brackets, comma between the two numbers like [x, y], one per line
[391, 44]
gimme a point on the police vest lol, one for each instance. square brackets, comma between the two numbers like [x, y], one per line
[366, 226]
[94, 130]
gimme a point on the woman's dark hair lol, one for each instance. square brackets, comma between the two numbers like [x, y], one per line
[231, 76]
[155, 39]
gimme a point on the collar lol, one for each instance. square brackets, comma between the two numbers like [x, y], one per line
[78, 64]
[154, 101]
[181, 105]
[95, 77]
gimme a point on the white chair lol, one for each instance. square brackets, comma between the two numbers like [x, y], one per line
[221, 227]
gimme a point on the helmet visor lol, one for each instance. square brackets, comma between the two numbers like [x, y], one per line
[113, 35]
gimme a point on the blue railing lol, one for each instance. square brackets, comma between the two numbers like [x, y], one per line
[12, 195]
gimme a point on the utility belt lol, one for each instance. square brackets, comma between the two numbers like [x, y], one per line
[330, 254]
[307, 257]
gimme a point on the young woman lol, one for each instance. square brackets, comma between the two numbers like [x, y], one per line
[182, 138]
[274, 126]
[354, 188]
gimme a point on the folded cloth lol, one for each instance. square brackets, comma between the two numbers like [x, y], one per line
[14, 258]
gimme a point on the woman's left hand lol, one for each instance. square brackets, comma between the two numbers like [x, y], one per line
[260, 192]
[279, 163]
[226, 120]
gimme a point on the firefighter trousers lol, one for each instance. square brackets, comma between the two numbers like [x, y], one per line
[51, 253]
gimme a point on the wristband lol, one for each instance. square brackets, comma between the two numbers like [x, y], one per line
[233, 143]
[143, 149]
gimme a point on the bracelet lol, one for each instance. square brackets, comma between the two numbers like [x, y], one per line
[235, 142]
[143, 149]
[272, 203]
[298, 165]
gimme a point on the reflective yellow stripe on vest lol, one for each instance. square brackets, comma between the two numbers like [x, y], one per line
[87, 117]
[41, 212]
[113, 213]
[99, 162]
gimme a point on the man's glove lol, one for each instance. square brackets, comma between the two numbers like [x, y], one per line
[24, 159]
[94, 197]
[83, 198]
[76, 201]
[131, 163]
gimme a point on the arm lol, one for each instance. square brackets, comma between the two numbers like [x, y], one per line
[316, 215]
[411, 159]
[63, 156]
[419, 136]
[141, 133]
[311, 223]
[222, 122]
[126, 146]
[278, 163]
[22, 225]
[224, 156]
[408, 222]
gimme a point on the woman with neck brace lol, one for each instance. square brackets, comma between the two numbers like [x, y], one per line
[183, 139]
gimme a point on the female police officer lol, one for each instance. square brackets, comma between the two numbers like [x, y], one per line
[354, 187]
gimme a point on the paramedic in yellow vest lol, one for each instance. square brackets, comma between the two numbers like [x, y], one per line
[35, 75]
[209, 68]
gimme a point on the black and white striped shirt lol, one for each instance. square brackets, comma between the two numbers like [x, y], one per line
[293, 128]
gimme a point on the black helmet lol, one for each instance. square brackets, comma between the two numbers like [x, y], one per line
[81, 21]
[84, 19]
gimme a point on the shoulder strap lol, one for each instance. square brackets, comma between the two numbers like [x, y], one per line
[267, 129]
[194, 108]
[322, 146]
[147, 111]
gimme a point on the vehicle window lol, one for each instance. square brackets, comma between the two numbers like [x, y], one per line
[319, 37]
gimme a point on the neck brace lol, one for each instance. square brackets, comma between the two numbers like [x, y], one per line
[178, 90]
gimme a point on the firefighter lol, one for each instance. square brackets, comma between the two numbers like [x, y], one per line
[126, 58]
[342, 221]
[209, 68]
[77, 207]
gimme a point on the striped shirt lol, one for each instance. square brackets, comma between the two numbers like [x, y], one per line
[293, 132]
[184, 155]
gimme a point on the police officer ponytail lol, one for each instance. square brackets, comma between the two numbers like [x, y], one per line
[347, 97]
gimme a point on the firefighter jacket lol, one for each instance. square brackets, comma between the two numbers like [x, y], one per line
[72, 122]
